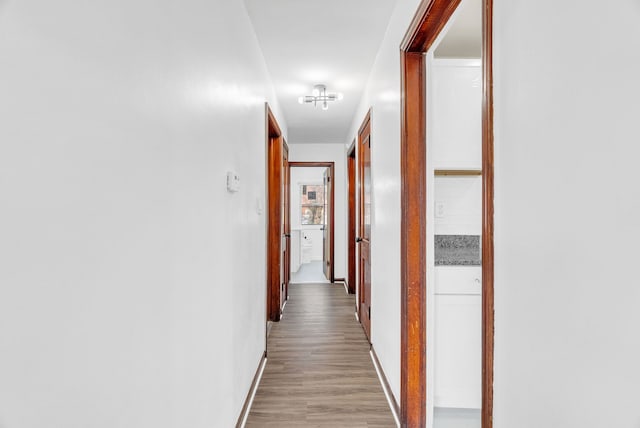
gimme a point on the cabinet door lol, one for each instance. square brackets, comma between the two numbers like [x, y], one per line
[458, 280]
[458, 337]
[458, 350]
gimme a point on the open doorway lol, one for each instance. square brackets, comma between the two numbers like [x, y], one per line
[351, 225]
[448, 310]
[453, 73]
[312, 222]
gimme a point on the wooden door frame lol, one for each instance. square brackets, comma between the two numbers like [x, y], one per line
[359, 220]
[274, 145]
[286, 199]
[428, 22]
[331, 167]
[351, 219]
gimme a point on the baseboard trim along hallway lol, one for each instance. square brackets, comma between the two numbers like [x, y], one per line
[393, 404]
[319, 372]
[242, 419]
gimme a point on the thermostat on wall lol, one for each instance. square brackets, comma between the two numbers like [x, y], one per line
[233, 182]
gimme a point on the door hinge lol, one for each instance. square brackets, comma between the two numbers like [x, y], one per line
[369, 310]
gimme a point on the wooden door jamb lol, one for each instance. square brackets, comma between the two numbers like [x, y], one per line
[331, 166]
[274, 142]
[351, 219]
[428, 22]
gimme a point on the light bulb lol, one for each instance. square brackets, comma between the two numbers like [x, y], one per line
[316, 92]
[340, 96]
[301, 100]
[325, 106]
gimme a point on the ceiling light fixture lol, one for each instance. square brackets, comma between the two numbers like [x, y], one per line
[319, 95]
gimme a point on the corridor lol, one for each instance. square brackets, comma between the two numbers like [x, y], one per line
[309, 273]
[146, 151]
[319, 371]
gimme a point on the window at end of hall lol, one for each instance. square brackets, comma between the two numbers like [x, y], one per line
[312, 204]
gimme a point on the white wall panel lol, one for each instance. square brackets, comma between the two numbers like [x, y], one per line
[567, 202]
[125, 298]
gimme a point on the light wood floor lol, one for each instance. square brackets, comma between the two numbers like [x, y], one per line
[319, 372]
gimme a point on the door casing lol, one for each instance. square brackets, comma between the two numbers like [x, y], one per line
[275, 146]
[364, 235]
[351, 225]
[429, 20]
[327, 239]
[331, 170]
[286, 225]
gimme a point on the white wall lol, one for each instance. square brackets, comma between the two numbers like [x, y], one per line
[300, 176]
[382, 95]
[567, 202]
[125, 300]
[330, 153]
[567, 103]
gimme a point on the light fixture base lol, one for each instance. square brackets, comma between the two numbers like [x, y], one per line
[320, 96]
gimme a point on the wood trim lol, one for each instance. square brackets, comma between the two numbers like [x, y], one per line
[385, 382]
[274, 215]
[286, 226]
[457, 172]
[339, 280]
[312, 164]
[413, 392]
[430, 19]
[488, 314]
[427, 23]
[254, 385]
[333, 222]
[273, 127]
[351, 220]
[364, 319]
[367, 118]
[332, 171]
[352, 148]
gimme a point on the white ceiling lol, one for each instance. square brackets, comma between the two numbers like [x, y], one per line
[306, 42]
[464, 36]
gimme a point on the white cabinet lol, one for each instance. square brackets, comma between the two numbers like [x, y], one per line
[457, 114]
[458, 337]
[295, 250]
[458, 280]
[455, 292]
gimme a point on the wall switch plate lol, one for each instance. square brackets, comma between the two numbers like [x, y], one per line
[233, 182]
[440, 209]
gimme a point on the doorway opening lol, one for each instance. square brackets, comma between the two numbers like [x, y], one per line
[312, 196]
[422, 178]
[351, 226]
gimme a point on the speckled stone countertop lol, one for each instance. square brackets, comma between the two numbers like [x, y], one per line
[457, 250]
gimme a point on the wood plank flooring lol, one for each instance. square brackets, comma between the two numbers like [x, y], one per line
[319, 372]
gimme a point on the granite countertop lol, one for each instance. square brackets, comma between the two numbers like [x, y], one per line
[457, 250]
